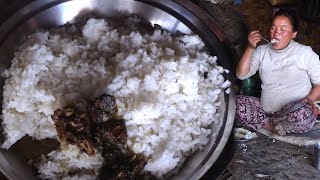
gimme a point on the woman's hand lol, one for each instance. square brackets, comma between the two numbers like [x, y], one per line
[253, 38]
[244, 64]
[315, 109]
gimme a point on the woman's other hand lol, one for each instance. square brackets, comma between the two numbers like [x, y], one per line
[315, 109]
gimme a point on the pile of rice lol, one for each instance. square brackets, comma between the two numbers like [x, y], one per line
[166, 89]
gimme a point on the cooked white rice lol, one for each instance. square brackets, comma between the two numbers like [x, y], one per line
[157, 79]
[58, 164]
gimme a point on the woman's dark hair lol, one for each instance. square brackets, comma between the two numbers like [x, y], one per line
[290, 14]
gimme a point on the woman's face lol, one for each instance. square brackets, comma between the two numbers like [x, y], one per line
[282, 30]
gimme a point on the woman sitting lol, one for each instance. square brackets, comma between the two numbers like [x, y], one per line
[290, 76]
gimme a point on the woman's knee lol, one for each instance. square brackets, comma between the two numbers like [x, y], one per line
[306, 112]
[302, 119]
[249, 112]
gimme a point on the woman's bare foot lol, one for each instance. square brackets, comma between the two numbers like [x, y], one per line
[279, 129]
[268, 126]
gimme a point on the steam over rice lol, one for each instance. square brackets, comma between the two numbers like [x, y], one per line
[157, 79]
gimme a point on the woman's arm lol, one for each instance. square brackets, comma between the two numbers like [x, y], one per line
[244, 64]
[314, 94]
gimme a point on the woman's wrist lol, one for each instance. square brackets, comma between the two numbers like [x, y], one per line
[306, 99]
[251, 47]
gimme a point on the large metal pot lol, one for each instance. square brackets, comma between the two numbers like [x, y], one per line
[179, 15]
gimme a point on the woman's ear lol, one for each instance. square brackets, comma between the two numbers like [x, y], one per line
[294, 34]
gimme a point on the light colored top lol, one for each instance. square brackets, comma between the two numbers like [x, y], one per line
[287, 75]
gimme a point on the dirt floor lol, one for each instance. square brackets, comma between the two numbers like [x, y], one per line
[267, 158]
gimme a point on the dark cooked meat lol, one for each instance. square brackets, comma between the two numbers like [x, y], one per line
[112, 137]
[97, 129]
[114, 132]
[103, 108]
[74, 127]
[129, 168]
